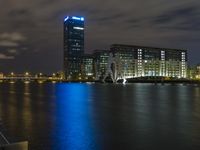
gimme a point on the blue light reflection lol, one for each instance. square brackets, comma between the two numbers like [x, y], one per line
[74, 126]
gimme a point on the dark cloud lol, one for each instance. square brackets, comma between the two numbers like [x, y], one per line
[15, 36]
[3, 57]
[12, 51]
[187, 18]
[11, 39]
[163, 23]
[19, 13]
[110, 17]
[187, 12]
[5, 43]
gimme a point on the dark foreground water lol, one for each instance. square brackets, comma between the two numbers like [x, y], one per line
[101, 116]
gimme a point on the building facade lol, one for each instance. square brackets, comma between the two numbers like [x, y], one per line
[124, 57]
[1, 75]
[140, 61]
[198, 71]
[87, 66]
[73, 46]
[101, 58]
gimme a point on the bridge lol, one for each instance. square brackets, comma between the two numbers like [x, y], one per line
[29, 78]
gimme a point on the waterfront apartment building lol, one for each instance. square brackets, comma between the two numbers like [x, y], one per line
[140, 61]
[73, 46]
[124, 60]
[156, 62]
[198, 71]
[194, 72]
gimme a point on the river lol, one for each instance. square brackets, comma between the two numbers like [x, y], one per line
[87, 116]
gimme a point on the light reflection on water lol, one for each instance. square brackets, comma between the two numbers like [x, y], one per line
[77, 116]
[75, 129]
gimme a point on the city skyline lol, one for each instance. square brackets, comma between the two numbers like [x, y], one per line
[31, 32]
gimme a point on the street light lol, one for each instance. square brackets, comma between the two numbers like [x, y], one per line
[26, 74]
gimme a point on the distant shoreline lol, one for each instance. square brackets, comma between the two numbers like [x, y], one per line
[172, 81]
[142, 81]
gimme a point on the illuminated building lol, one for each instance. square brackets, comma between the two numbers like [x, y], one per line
[100, 62]
[73, 46]
[198, 71]
[1, 75]
[143, 61]
[191, 72]
[87, 66]
[176, 63]
[125, 56]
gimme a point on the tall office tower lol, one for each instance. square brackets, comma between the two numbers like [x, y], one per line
[73, 46]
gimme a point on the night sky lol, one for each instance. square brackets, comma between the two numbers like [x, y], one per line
[31, 31]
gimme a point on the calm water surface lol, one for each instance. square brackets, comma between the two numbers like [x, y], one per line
[77, 116]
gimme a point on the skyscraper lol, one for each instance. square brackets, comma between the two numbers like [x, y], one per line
[73, 46]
